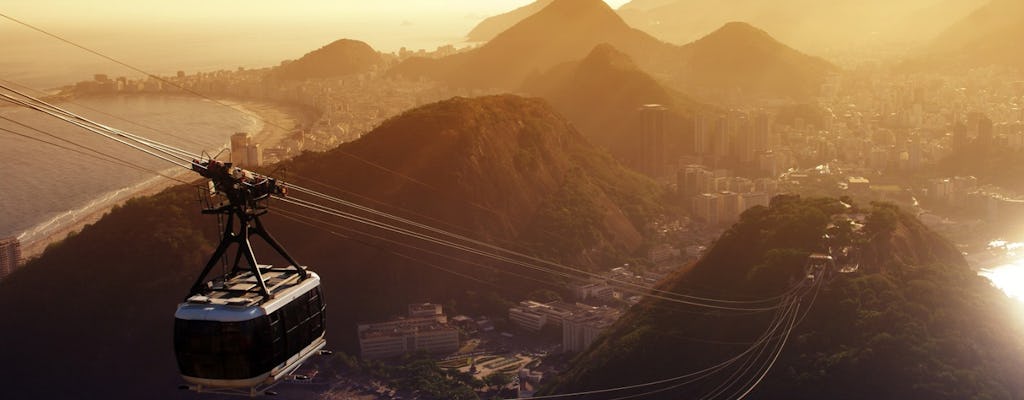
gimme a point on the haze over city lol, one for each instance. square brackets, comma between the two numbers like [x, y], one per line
[210, 35]
[579, 199]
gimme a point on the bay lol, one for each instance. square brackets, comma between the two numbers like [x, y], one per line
[46, 188]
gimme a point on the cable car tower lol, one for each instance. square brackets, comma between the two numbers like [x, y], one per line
[246, 195]
[243, 332]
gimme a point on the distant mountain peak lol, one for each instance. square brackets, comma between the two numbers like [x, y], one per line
[592, 6]
[740, 55]
[344, 43]
[565, 30]
[605, 54]
[338, 58]
[738, 30]
[492, 26]
[570, 14]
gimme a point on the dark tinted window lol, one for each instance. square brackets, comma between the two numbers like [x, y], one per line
[238, 350]
[223, 350]
[302, 322]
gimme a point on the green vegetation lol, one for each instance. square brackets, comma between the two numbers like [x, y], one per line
[570, 221]
[914, 322]
[765, 244]
[931, 332]
[102, 301]
[497, 379]
[420, 373]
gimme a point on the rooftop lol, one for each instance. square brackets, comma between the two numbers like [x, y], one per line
[401, 327]
[242, 289]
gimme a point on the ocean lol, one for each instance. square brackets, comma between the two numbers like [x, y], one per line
[46, 188]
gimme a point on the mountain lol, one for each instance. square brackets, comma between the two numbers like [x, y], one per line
[340, 58]
[94, 313]
[988, 36]
[737, 56]
[492, 26]
[602, 94]
[807, 24]
[915, 321]
[565, 30]
[505, 157]
[988, 20]
[741, 56]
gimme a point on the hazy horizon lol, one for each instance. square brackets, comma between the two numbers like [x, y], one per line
[194, 35]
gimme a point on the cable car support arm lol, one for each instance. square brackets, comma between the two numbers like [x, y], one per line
[246, 196]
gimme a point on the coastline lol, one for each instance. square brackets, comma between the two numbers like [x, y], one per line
[35, 248]
[268, 134]
[277, 116]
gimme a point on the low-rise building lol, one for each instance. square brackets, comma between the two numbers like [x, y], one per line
[528, 318]
[425, 310]
[420, 332]
[533, 316]
[584, 291]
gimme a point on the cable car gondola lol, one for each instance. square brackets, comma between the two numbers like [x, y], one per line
[819, 264]
[246, 330]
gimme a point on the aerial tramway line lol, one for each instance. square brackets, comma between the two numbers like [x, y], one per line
[246, 329]
[234, 333]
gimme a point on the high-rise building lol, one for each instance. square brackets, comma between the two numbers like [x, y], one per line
[745, 139]
[768, 186]
[10, 255]
[984, 139]
[973, 122]
[753, 199]
[721, 144]
[239, 148]
[741, 185]
[244, 151]
[254, 155]
[762, 125]
[585, 326]
[730, 207]
[652, 139]
[703, 124]
[690, 181]
[707, 207]
[959, 136]
[769, 164]
[914, 152]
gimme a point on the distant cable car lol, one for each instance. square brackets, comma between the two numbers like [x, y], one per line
[819, 264]
[246, 330]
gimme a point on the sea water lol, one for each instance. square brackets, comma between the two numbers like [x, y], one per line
[44, 188]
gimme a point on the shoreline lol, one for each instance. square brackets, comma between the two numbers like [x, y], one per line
[267, 134]
[35, 248]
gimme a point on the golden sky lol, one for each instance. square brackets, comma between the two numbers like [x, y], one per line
[91, 12]
[168, 35]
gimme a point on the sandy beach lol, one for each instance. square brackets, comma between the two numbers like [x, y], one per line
[273, 117]
[278, 120]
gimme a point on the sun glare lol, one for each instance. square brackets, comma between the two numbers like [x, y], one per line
[1008, 278]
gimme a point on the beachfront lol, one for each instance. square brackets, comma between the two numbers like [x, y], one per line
[274, 123]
